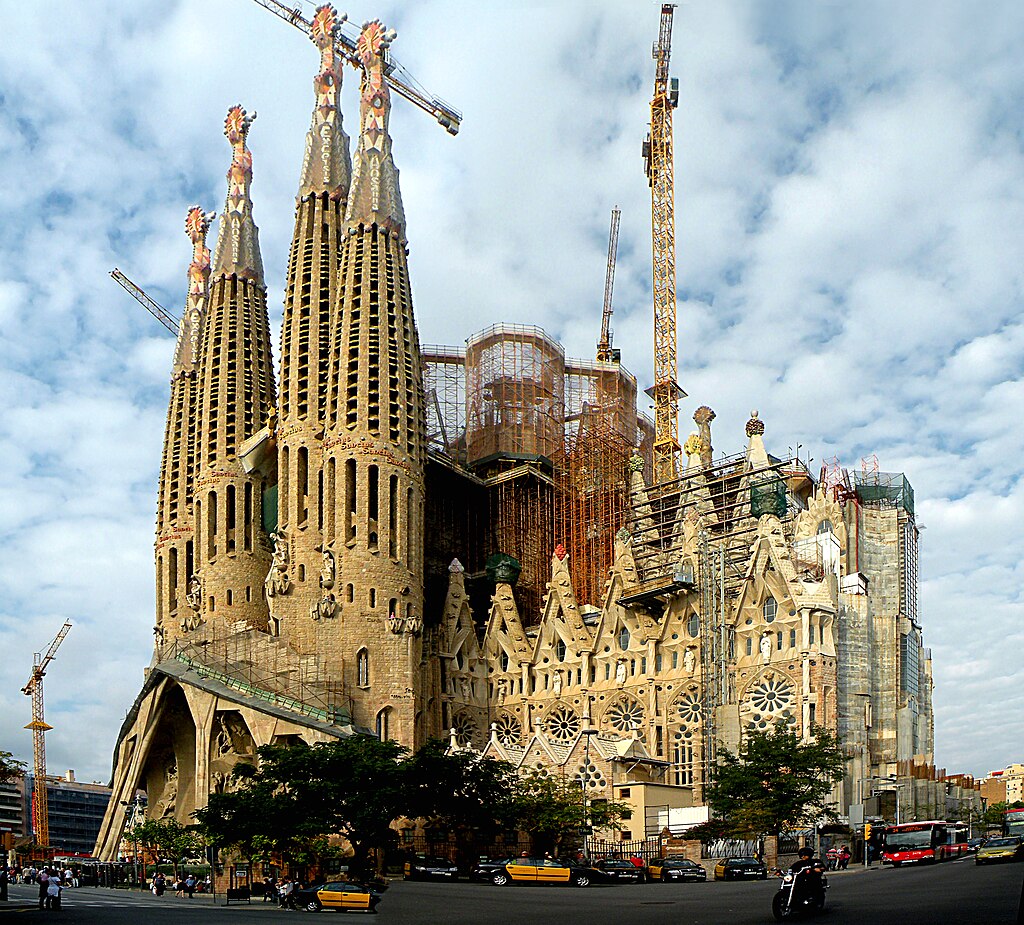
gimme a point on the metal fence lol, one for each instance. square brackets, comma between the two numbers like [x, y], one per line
[732, 848]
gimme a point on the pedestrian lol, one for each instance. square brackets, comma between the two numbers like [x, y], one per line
[844, 857]
[3, 883]
[269, 889]
[286, 893]
[190, 885]
[832, 858]
[53, 889]
[43, 879]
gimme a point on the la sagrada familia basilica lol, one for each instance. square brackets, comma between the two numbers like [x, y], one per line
[468, 542]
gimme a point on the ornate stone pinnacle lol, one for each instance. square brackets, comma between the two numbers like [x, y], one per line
[703, 415]
[693, 445]
[236, 128]
[456, 567]
[325, 25]
[754, 425]
[560, 553]
[636, 463]
[623, 536]
[238, 249]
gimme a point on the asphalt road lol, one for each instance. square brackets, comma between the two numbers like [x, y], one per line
[955, 893]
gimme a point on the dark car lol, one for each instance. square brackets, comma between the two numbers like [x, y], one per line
[674, 869]
[484, 869]
[338, 895]
[621, 871]
[741, 869]
[421, 868]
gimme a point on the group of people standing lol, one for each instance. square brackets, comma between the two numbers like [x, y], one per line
[182, 886]
[837, 858]
[281, 891]
[50, 887]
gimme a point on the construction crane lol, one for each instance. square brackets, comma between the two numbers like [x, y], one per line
[605, 352]
[657, 153]
[397, 77]
[39, 727]
[153, 307]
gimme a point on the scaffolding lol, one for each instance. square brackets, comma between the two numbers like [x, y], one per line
[884, 489]
[444, 387]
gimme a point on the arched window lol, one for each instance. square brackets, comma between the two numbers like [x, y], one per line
[363, 668]
[560, 650]
[693, 626]
[770, 609]
[504, 660]
[624, 637]
[826, 527]
[382, 724]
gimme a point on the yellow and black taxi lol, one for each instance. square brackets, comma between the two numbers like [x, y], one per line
[427, 868]
[545, 872]
[344, 897]
[1001, 848]
[668, 870]
[740, 869]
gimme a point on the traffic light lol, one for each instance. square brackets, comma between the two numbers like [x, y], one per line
[867, 831]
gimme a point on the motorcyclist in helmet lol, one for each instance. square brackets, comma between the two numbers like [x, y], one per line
[808, 871]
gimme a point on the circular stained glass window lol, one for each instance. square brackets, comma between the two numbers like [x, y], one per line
[688, 707]
[625, 715]
[508, 730]
[563, 724]
[464, 728]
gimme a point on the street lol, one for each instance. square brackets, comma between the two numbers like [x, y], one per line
[953, 892]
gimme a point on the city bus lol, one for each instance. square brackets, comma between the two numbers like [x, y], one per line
[956, 839]
[916, 843]
[1013, 822]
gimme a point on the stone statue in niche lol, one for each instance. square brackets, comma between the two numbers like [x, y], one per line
[169, 798]
[689, 660]
[766, 647]
[620, 671]
[324, 609]
[464, 688]
[557, 684]
[327, 570]
[194, 594]
[277, 581]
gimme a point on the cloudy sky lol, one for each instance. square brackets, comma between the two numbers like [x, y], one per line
[850, 215]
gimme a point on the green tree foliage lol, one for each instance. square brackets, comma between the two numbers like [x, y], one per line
[551, 808]
[169, 839]
[10, 767]
[993, 817]
[460, 792]
[776, 781]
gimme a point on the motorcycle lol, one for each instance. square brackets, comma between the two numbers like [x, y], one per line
[798, 893]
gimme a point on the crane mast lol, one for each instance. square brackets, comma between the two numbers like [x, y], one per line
[150, 305]
[604, 345]
[397, 77]
[657, 153]
[39, 727]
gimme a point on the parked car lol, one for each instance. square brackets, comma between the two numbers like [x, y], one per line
[973, 844]
[546, 872]
[338, 895]
[422, 868]
[484, 869]
[740, 869]
[1001, 848]
[668, 869]
[622, 871]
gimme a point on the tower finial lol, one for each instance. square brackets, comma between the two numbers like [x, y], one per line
[375, 197]
[326, 166]
[197, 226]
[238, 246]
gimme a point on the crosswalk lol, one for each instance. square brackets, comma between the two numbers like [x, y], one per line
[93, 897]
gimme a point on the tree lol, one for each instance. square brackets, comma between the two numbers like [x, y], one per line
[460, 792]
[775, 781]
[551, 808]
[299, 794]
[169, 839]
[10, 768]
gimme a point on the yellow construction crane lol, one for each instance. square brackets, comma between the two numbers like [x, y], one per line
[39, 727]
[150, 305]
[657, 152]
[397, 77]
[604, 345]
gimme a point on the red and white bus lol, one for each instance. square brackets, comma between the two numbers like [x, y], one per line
[956, 839]
[917, 843]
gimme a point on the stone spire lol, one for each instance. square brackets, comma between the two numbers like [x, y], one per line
[238, 244]
[326, 165]
[186, 351]
[235, 397]
[375, 197]
[757, 455]
[374, 445]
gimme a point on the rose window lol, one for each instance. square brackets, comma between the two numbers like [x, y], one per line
[688, 707]
[626, 715]
[464, 727]
[768, 701]
[563, 725]
[508, 730]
